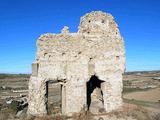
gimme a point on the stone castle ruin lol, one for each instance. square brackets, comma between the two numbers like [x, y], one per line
[87, 65]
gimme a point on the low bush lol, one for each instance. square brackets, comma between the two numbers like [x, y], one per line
[13, 106]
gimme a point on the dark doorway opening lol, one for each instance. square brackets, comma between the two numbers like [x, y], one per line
[92, 84]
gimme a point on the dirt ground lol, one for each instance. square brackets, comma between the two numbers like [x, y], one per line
[152, 95]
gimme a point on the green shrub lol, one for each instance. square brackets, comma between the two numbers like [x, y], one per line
[13, 106]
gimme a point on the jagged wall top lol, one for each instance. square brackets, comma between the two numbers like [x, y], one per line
[98, 22]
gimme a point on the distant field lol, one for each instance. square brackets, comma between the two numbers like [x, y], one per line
[152, 95]
[3, 76]
[13, 82]
[141, 88]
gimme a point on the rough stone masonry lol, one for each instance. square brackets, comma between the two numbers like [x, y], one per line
[88, 65]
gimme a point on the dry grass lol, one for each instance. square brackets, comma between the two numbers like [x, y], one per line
[156, 116]
[77, 116]
[47, 117]
[137, 113]
[81, 116]
[6, 114]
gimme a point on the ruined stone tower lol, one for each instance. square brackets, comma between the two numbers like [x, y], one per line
[85, 63]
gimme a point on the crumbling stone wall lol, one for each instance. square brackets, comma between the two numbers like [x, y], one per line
[97, 49]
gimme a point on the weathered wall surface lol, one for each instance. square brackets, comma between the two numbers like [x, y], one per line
[96, 49]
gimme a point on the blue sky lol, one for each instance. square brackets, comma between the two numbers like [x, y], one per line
[23, 21]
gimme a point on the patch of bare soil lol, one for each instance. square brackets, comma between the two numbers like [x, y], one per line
[152, 95]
